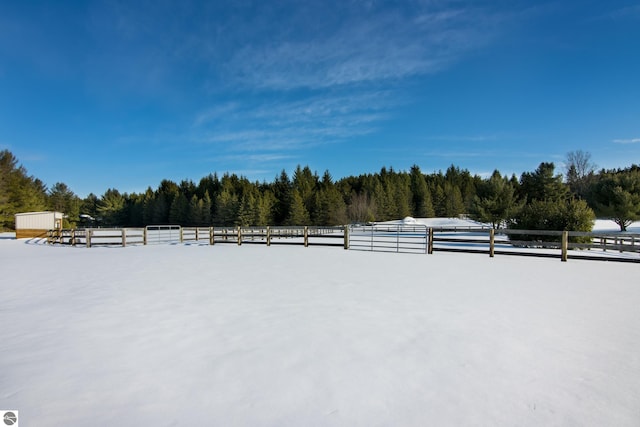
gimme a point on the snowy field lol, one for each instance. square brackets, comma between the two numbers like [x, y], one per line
[184, 335]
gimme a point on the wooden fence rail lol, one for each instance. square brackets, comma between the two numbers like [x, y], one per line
[306, 236]
[540, 243]
[382, 238]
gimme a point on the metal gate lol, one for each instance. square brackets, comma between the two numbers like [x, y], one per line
[389, 238]
[163, 234]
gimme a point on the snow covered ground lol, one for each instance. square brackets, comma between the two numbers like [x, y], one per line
[287, 336]
[608, 225]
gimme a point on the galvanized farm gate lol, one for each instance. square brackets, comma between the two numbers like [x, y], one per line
[163, 234]
[401, 238]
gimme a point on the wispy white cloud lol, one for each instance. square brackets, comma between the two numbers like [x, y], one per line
[457, 154]
[385, 45]
[283, 139]
[627, 141]
[283, 78]
[332, 79]
[626, 12]
[462, 138]
[495, 154]
[315, 74]
[258, 158]
[617, 14]
[217, 112]
[296, 124]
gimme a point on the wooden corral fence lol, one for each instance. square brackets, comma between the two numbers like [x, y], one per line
[168, 234]
[98, 236]
[418, 238]
[401, 238]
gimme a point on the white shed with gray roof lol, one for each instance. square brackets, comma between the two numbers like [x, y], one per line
[36, 224]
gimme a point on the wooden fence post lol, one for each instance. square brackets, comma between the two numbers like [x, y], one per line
[268, 236]
[239, 236]
[430, 242]
[565, 246]
[181, 235]
[211, 236]
[144, 236]
[346, 237]
[124, 237]
[88, 234]
[492, 241]
[72, 240]
[306, 236]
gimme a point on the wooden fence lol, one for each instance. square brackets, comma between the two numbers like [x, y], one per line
[623, 247]
[167, 234]
[608, 246]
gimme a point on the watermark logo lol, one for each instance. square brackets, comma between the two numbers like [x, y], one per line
[10, 418]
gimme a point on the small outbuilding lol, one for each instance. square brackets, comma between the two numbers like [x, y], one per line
[36, 224]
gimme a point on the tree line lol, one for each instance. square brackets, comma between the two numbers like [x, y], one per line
[541, 199]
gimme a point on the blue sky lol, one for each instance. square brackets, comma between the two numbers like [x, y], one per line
[122, 94]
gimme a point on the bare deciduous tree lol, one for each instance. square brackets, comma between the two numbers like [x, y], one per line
[361, 208]
[579, 171]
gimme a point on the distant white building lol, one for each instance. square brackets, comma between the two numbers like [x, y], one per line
[36, 224]
[409, 220]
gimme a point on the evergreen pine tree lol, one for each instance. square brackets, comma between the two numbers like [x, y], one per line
[179, 210]
[298, 214]
[195, 211]
[496, 201]
[62, 199]
[454, 205]
[282, 192]
[226, 208]
[205, 209]
[616, 195]
[422, 205]
[111, 208]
